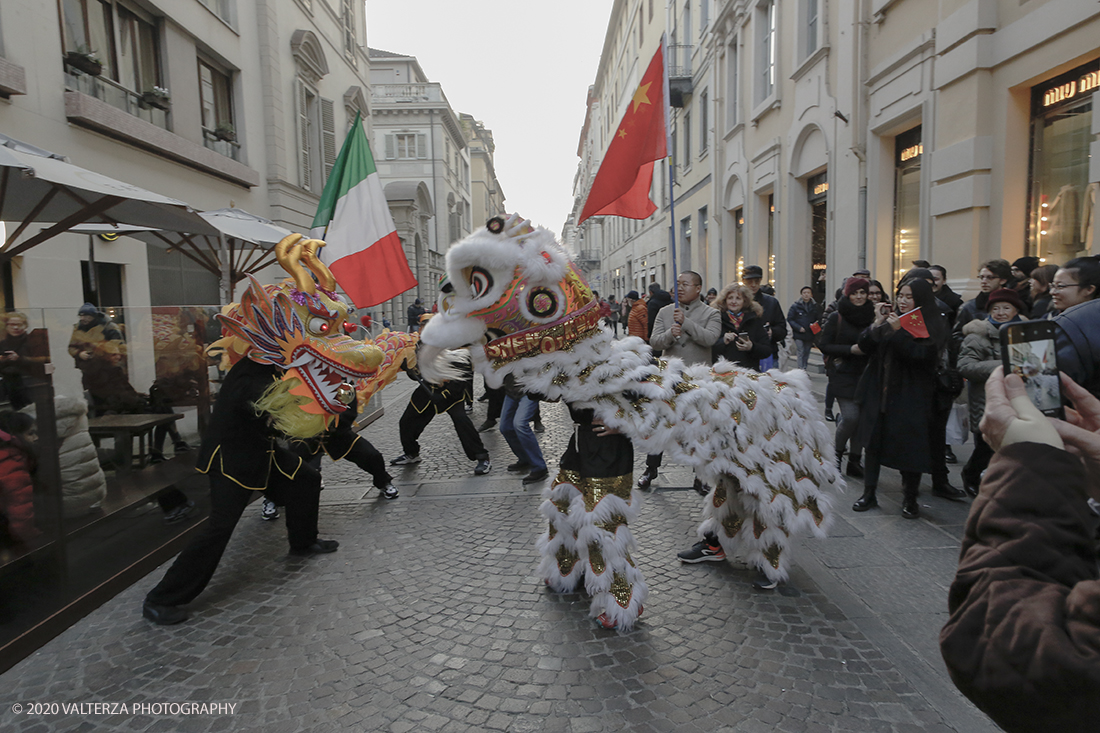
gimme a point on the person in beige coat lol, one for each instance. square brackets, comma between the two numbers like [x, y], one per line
[684, 330]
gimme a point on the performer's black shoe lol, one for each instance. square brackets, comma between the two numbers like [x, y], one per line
[163, 615]
[763, 583]
[829, 416]
[538, 427]
[949, 455]
[180, 513]
[389, 491]
[483, 466]
[909, 508]
[487, 425]
[646, 478]
[700, 488]
[319, 547]
[405, 460]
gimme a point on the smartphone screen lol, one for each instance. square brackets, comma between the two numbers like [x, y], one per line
[1028, 350]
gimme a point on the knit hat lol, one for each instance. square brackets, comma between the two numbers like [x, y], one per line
[1006, 295]
[1026, 264]
[633, 295]
[752, 272]
[856, 283]
[87, 310]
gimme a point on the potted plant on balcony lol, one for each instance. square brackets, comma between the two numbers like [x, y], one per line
[85, 60]
[156, 97]
[225, 131]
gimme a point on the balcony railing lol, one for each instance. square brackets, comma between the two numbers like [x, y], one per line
[589, 255]
[228, 148]
[407, 93]
[679, 60]
[117, 96]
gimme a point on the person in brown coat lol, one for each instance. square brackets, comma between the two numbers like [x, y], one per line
[637, 323]
[1023, 638]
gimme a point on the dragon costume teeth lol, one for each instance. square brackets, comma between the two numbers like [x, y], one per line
[758, 439]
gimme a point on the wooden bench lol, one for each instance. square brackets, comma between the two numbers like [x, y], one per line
[124, 428]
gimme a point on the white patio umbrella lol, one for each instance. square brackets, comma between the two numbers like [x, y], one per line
[39, 186]
[243, 243]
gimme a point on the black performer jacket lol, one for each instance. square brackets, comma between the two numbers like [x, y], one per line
[440, 398]
[337, 441]
[239, 443]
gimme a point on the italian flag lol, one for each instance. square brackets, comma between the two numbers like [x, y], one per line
[363, 250]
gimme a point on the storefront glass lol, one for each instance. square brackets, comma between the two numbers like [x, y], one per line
[817, 189]
[1062, 201]
[908, 152]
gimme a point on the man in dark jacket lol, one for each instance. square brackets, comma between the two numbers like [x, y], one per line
[414, 312]
[658, 299]
[944, 293]
[1023, 638]
[751, 276]
[1021, 278]
[802, 315]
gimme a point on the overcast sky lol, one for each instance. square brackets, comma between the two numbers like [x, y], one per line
[521, 67]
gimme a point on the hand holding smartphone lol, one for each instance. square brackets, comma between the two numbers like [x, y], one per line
[1028, 350]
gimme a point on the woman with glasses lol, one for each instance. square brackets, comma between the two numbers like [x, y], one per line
[876, 293]
[1074, 290]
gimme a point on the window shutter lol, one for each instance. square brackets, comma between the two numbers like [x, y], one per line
[421, 146]
[328, 134]
[391, 147]
[303, 139]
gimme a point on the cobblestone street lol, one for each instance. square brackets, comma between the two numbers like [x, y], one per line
[431, 618]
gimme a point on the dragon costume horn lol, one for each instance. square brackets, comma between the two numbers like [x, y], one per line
[288, 253]
[313, 262]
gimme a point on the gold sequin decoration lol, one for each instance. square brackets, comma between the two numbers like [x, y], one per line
[772, 433]
[784, 491]
[547, 367]
[595, 489]
[621, 590]
[553, 531]
[639, 404]
[566, 560]
[719, 494]
[779, 386]
[560, 380]
[620, 413]
[612, 525]
[817, 455]
[736, 415]
[684, 386]
[655, 378]
[732, 524]
[595, 559]
[771, 554]
[758, 527]
[562, 505]
[586, 373]
[815, 510]
[630, 560]
[749, 398]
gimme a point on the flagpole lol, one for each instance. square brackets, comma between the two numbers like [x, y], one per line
[671, 172]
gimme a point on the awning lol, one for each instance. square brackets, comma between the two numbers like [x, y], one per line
[243, 243]
[39, 186]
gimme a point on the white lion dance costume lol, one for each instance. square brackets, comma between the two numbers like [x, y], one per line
[758, 439]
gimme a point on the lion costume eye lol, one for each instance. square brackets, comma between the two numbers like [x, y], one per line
[481, 282]
[544, 304]
[319, 326]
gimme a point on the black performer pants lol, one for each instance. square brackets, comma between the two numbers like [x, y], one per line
[367, 458]
[195, 566]
[412, 425]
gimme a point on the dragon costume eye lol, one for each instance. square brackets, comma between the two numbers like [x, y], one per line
[319, 326]
[481, 282]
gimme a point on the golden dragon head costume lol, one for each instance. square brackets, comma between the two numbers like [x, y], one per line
[298, 325]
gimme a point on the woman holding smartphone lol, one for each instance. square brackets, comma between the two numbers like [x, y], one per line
[897, 395]
[1075, 290]
[744, 339]
[839, 342]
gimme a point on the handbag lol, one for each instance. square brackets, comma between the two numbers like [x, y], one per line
[949, 381]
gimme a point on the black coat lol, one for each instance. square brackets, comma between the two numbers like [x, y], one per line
[952, 300]
[800, 315]
[656, 302]
[897, 397]
[841, 332]
[239, 443]
[773, 316]
[753, 325]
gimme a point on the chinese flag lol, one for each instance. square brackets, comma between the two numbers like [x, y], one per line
[913, 322]
[621, 186]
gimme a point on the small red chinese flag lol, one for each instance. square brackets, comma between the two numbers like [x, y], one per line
[913, 322]
[621, 186]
